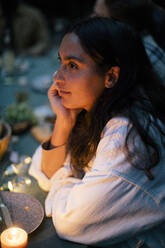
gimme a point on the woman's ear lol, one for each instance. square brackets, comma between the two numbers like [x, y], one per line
[112, 76]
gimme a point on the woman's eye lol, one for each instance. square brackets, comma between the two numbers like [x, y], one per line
[72, 65]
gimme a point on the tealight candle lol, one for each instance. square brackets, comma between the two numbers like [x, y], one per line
[14, 237]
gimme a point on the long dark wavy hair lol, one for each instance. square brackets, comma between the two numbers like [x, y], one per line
[143, 15]
[138, 92]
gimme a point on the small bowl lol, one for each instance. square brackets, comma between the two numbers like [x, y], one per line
[4, 141]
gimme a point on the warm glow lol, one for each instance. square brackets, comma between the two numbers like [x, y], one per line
[14, 237]
[27, 160]
[10, 186]
[28, 181]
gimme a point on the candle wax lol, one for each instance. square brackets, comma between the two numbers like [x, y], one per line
[14, 237]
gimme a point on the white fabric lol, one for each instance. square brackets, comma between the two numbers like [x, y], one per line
[44, 182]
[113, 201]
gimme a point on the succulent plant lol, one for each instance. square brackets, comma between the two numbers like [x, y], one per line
[19, 112]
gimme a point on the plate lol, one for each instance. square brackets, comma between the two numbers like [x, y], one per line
[26, 211]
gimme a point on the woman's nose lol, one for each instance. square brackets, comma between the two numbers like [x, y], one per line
[58, 77]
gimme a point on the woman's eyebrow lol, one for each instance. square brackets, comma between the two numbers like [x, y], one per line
[73, 57]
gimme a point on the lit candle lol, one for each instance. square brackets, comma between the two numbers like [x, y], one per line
[14, 237]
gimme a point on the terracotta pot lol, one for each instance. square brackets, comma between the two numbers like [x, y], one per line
[4, 140]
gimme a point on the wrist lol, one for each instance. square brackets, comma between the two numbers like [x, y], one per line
[59, 136]
[64, 123]
[47, 145]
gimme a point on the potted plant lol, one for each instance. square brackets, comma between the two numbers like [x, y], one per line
[20, 116]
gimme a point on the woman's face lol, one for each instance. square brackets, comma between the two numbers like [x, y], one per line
[78, 80]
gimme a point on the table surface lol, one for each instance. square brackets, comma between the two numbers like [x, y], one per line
[45, 235]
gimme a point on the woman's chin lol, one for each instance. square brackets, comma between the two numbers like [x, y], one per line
[67, 105]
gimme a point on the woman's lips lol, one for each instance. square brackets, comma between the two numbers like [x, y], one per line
[63, 92]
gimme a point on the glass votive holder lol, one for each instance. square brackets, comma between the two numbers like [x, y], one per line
[14, 237]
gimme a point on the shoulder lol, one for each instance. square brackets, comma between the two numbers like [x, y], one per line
[118, 125]
[113, 137]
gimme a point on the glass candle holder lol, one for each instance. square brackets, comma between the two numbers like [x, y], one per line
[14, 237]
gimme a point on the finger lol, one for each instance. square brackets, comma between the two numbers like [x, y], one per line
[53, 86]
[53, 95]
[52, 90]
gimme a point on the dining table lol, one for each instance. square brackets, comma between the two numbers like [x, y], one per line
[25, 144]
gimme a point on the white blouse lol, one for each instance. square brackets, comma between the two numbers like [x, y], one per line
[112, 203]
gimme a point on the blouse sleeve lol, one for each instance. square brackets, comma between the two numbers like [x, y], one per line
[35, 170]
[103, 208]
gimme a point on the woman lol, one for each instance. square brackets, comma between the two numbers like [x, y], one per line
[147, 18]
[104, 163]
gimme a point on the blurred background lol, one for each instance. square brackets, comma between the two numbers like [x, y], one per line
[26, 19]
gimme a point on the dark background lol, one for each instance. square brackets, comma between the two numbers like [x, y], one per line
[53, 9]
